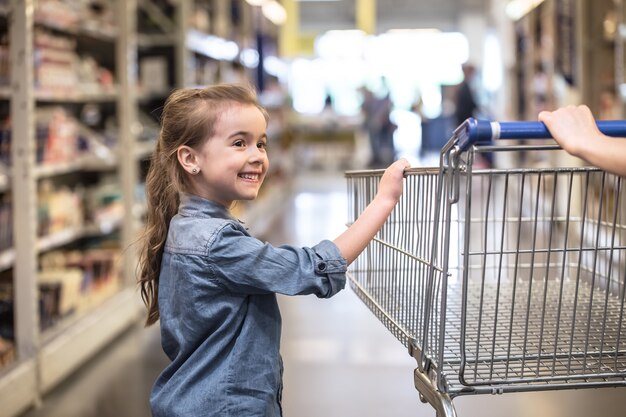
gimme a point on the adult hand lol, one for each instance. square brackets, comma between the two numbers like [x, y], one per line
[573, 127]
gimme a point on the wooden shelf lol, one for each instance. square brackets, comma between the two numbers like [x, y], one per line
[18, 388]
[72, 346]
[77, 96]
[45, 359]
[88, 29]
[81, 163]
[55, 240]
[155, 41]
[144, 150]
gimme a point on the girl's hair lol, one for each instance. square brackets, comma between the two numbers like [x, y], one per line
[189, 117]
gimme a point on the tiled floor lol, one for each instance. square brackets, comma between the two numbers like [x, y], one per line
[339, 360]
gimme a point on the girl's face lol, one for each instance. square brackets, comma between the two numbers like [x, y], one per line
[233, 162]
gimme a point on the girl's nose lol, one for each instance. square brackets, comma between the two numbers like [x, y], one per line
[257, 155]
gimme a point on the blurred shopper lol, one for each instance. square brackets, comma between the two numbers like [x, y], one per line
[575, 129]
[210, 283]
[466, 106]
[380, 129]
[465, 102]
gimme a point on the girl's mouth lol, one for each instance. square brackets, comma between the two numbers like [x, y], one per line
[249, 177]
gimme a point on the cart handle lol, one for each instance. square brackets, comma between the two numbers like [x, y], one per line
[473, 131]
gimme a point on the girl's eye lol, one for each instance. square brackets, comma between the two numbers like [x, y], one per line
[239, 143]
[261, 145]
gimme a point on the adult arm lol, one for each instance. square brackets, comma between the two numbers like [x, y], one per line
[574, 128]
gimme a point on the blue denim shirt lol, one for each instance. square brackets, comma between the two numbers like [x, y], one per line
[220, 322]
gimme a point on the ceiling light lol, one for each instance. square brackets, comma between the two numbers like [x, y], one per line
[420, 31]
[274, 12]
[515, 9]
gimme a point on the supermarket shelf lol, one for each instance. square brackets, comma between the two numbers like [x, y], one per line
[58, 239]
[77, 96]
[76, 344]
[18, 388]
[45, 358]
[143, 150]
[90, 29]
[69, 235]
[85, 163]
[155, 40]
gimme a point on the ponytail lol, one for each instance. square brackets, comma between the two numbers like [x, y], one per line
[162, 204]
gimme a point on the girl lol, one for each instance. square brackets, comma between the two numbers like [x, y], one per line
[209, 282]
[574, 128]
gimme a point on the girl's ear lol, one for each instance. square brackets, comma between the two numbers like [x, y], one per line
[187, 159]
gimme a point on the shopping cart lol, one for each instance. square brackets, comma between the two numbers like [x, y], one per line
[501, 280]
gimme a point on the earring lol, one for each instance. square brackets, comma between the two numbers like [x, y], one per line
[194, 171]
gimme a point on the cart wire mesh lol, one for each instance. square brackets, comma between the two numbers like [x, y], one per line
[517, 283]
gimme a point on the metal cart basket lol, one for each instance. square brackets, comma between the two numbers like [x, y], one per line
[500, 280]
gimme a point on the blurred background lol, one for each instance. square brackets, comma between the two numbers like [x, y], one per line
[349, 85]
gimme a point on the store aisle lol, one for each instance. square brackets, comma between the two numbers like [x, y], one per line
[339, 360]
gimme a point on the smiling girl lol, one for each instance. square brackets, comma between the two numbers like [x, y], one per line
[212, 285]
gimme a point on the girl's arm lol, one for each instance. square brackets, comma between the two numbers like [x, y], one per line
[574, 128]
[355, 239]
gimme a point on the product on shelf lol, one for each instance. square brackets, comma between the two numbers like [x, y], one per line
[6, 311]
[59, 208]
[5, 147]
[5, 64]
[6, 222]
[75, 281]
[63, 139]
[63, 14]
[7, 336]
[104, 205]
[57, 135]
[7, 352]
[153, 74]
[60, 70]
[64, 287]
[77, 15]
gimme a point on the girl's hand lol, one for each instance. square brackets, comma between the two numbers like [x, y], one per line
[390, 186]
[352, 242]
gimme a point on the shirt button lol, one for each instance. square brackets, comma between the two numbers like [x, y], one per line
[322, 266]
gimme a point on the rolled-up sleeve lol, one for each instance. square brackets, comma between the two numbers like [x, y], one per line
[243, 264]
[332, 264]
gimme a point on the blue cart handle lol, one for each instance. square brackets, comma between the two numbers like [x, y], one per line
[473, 131]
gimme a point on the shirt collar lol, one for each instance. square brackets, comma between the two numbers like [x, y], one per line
[193, 206]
